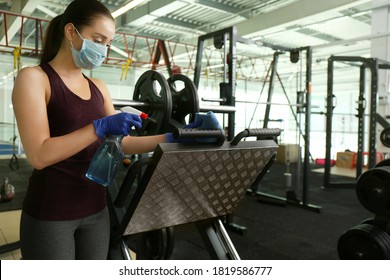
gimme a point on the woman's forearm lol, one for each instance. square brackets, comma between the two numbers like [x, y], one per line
[56, 149]
[141, 144]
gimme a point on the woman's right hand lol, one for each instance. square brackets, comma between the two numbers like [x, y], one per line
[118, 124]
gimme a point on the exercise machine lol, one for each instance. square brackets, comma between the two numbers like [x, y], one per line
[185, 183]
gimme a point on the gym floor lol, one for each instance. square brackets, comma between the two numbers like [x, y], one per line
[273, 232]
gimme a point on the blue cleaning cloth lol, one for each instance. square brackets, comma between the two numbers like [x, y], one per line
[209, 121]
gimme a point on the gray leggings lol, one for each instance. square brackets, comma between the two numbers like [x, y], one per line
[82, 239]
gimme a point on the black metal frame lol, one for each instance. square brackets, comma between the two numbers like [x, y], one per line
[228, 98]
[228, 90]
[373, 65]
[306, 109]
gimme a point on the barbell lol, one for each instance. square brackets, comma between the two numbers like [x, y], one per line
[165, 101]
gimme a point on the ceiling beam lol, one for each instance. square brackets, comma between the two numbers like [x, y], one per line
[129, 6]
[150, 11]
[292, 14]
[219, 6]
[179, 23]
[47, 11]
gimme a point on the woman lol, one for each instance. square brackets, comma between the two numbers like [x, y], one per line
[62, 117]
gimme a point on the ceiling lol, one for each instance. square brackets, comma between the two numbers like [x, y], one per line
[332, 27]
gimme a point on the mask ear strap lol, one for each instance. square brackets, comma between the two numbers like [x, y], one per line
[78, 32]
[70, 41]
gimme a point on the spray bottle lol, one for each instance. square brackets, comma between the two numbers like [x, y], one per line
[106, 161]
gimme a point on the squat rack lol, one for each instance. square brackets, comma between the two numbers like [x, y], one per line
[228, 88]
[306, 109]
[373, 64]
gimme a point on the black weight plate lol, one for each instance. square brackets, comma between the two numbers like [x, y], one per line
[373, 190]
[385, 162]
[385, 137]
[364, 242]
[369, 221]
[156, 244]
[152, 88]
[185, 101]
[170, 243]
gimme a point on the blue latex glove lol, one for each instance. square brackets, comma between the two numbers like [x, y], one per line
[202, 121]
[118, 124]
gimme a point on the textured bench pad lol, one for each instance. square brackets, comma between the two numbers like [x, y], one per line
[197, 184]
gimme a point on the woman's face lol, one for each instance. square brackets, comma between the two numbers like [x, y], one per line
[101, 31]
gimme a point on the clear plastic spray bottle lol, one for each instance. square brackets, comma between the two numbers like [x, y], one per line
[106, 161]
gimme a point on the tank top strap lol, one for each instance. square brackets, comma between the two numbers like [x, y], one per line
[58, 85]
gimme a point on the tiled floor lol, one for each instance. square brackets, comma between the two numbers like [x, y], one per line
[9, 232]
[341, 171]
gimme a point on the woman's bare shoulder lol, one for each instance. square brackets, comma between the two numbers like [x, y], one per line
[31, 72]
[30, 79]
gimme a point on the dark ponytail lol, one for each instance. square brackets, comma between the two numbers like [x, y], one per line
[52, 40]
[80, 13]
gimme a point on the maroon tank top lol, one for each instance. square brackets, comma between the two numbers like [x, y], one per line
[61, 191]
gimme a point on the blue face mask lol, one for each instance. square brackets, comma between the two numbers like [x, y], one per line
[91, 54]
